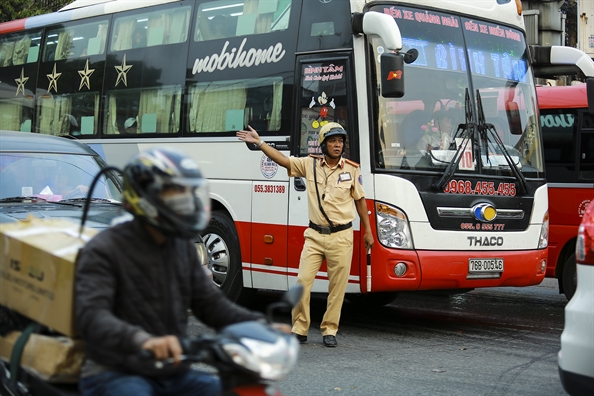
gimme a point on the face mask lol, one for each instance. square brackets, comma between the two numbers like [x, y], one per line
[182, 203]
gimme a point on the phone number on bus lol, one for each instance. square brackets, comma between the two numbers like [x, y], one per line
[269, 188]
[481, 188]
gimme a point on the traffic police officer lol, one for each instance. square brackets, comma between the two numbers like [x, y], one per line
[333, 183]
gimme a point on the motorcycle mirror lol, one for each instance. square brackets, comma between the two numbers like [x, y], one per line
[293, 295]
[289, 299]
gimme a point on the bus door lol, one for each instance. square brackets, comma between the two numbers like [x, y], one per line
[323, 96]
[586, 160]
[269, 227]
[568, 136]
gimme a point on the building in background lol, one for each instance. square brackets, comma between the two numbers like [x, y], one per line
[585, 27]
[560, 22]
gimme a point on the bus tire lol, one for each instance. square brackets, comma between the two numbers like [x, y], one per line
[569, 278]
[224, 255]
[371, 299]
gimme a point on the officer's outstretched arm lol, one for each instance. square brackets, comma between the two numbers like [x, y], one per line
[251, 136]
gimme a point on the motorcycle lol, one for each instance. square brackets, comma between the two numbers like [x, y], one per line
[246, 356]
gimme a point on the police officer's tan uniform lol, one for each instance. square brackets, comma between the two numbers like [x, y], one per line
[338, 188]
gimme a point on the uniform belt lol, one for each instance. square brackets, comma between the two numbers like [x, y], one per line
[330, 230]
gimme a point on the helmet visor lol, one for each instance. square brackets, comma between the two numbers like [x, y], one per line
[335, 132]
[187, 199]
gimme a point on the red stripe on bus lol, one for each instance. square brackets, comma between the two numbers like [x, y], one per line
[285, 248]
[12, 26]
[246, 267]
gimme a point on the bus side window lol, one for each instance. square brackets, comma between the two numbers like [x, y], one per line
[240, 18]
[154, 110]
[96, 45]
[6, 50]
[587, 147]
[76, 41]
[229, 106]
[20, 49]
[323, 100]
[164, 26]
[587, 157]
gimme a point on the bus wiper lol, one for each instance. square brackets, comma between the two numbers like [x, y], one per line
[25, 198]
[487, 130]
[465, 131]
[31, 199]
[92, 200]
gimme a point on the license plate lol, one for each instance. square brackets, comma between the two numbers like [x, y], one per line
[485, 265]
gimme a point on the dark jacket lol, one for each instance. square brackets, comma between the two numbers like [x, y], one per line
[128, 288]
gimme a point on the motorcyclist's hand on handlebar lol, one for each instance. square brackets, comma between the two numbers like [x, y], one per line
[285, 328]
[164, 347]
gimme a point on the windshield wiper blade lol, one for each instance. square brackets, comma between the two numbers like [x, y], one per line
[92, 200]
[469, 126]
[31, 199]
[22, 199]
[485, 129]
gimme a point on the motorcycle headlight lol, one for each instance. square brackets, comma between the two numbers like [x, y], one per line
[392, 227]
[271, 361]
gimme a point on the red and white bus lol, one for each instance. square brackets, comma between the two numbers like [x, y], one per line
[568, 135]
[123, 76]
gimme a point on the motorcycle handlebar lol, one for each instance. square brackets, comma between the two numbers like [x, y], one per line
[194, 351]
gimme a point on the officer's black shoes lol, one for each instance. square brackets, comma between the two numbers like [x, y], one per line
[301, 338]
[330, 341]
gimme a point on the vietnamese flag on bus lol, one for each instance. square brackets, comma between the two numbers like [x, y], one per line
[395, 74]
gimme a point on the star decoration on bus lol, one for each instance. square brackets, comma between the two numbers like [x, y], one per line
[21, 82]
[84, 76]
[122, 72]
[53, 79]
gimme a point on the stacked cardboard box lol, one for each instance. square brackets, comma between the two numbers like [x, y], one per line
[37, 271]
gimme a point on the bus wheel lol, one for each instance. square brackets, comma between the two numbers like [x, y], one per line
[222, 244]
[371, 299]
[569, 277]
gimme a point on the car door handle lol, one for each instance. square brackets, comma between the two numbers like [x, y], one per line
[299, 184]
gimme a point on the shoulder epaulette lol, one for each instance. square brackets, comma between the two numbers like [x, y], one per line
[320, 157]
[356, 165]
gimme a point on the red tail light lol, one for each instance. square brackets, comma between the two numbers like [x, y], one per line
[584, 248]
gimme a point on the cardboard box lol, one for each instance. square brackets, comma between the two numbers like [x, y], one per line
[37, 269]
[53, 359]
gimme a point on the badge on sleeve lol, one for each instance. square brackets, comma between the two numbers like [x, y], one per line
[360, 178]
[345, 176]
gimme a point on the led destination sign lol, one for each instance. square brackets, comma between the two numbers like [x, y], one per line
[494, 51]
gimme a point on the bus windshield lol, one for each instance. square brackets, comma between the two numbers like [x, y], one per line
[462, 63]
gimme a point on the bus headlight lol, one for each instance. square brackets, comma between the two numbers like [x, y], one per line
[543, 240]
[392, 227]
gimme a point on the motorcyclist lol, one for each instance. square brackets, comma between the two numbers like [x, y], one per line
[136, 281]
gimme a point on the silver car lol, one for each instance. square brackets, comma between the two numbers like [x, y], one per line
[47, 176]
[576, 357]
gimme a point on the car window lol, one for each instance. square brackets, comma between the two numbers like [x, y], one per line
[53, 177]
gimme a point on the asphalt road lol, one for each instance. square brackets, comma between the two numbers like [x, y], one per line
[501, 341]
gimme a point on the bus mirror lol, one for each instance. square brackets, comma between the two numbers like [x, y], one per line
[411, 55]
[392, 75]
[513, 118]
[590, 94]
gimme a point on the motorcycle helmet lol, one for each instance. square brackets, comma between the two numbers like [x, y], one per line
[330, 129]
[166, 189]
